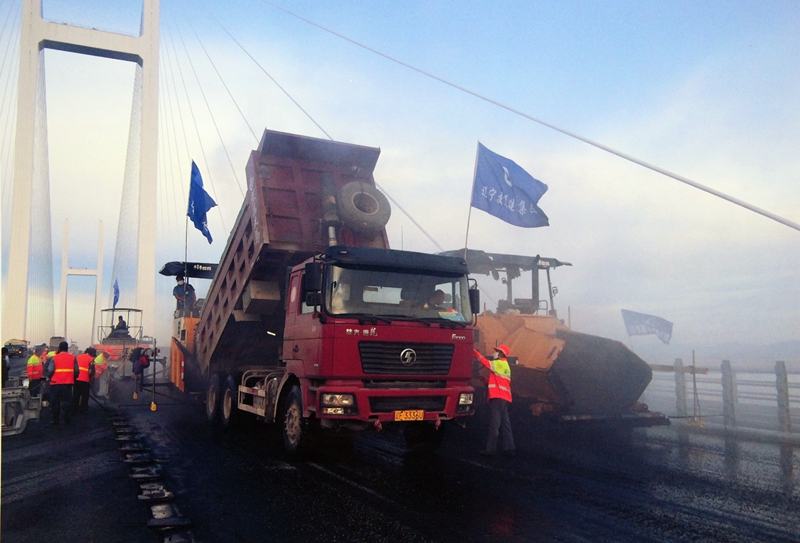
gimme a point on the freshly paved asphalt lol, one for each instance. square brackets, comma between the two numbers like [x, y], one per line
[69, 483]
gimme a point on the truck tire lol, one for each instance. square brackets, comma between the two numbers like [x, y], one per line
[423, 437]
[293, 426]
[229, 411]
[362, 207]
[213, 397]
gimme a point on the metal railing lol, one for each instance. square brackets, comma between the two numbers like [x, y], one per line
[743, 399]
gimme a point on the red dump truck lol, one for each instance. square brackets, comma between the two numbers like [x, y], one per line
[311, 321]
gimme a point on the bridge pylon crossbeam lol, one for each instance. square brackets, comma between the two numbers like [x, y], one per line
[37, 34]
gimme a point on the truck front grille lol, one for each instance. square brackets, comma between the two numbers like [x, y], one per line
[388, 404]
[400, 358]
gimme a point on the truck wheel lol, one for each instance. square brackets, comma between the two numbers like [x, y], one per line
[229, 411]
[362, 207]
[294, 426]
[213, 396]
[423, 436]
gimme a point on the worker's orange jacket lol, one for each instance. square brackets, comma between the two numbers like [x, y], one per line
[100, 365]
[84, 365]
[64, 373]
[499, 379]
[35, 368]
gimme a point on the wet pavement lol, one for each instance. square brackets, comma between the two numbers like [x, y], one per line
[664, 484]
[67, 483]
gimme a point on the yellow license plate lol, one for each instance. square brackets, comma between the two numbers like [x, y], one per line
[410, 414]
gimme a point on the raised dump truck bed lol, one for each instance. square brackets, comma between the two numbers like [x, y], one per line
[283, 221]
[312, 322]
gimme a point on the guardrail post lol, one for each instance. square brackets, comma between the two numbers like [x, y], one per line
[782, 384]
[728, 394]
[680, 388]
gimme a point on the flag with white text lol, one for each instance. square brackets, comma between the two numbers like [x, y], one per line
[503, 189]
[639, 324]
[199, 203]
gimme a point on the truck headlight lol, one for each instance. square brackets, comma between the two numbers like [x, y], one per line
[465, 398]
[337, 399]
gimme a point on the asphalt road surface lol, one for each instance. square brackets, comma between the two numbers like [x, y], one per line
[662, 484]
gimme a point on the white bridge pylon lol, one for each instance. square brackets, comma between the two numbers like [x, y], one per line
[37, 35]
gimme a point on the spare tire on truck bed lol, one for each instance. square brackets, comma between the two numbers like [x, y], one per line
[362, 207]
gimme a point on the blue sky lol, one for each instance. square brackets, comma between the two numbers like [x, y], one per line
[707, 90]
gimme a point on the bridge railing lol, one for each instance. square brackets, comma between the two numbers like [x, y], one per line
[737, 399]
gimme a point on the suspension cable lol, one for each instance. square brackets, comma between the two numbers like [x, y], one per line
[13, 31]
[409, 216]
[12, 53]
[191, 112]
[307, 114]
[222, 80]
[171, 117]
[566, 132]
[210, 113]
[7, 110]
[194, 120]
[167, 188]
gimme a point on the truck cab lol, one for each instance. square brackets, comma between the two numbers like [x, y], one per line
[363, 335]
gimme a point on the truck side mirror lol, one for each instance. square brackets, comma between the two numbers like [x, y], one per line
[475, 300]
[312, 284]
[312, 279]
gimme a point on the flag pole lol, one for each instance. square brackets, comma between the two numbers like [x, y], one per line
[471, 193]
[185, 257]
[186, 225]
[186, 243]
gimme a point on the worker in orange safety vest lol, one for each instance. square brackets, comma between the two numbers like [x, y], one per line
[80, 394]
[499, 400]
[35, 370]
[62, 369]
[100, 385]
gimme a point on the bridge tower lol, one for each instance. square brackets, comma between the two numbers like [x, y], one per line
[36, 36]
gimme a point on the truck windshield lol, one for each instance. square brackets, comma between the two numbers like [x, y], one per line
[389, 293]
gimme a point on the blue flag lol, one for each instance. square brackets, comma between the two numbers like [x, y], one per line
[199, 203]
[503, 189]
[639, 324]
[116, 292]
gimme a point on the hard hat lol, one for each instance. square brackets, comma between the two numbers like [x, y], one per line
[503, 349]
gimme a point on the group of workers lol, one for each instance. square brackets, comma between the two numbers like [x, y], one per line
[64, 381]
[68, 377]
